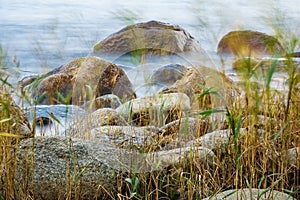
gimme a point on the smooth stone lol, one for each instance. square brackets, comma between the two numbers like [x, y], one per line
[168, 74]
[249, 43]
[79, 81]
[152, 37]
[253, 193]
[101, 117]
[155, 110]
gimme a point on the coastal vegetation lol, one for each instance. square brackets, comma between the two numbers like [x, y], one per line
[261, 150]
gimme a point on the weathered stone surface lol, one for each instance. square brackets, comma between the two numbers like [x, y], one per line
[151, 37]
[155, 110]
[168, 74]
[129, 137]
[65, 167]
[81, 80]
[253, 193]
[247, 42]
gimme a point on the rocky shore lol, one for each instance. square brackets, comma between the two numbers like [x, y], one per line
[91, 125]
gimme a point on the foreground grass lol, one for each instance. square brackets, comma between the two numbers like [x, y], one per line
[255, 159]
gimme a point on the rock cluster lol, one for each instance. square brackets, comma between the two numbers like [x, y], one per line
[117, 131]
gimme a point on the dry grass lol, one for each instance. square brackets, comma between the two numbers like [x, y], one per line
[256, 159]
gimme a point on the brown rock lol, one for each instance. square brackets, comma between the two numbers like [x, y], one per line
[246, 42]
[81, 80]
[169, 74]
[151, 37]
[197, 80]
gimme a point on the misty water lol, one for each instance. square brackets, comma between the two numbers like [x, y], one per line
[44, 34]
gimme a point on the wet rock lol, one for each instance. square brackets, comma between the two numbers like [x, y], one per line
[253, 193]
[81, 80]
[65, 167]
[169, 74]
[105, 101]
[13, 119]
[155, 110]
[151, 37]
[247, 42]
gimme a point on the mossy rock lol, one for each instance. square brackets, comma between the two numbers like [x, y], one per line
[247, 42]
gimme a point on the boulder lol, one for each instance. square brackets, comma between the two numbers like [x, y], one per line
[169, 74]
[196, 83]
[81, 80]
[155, 110]
[60, 168]
[152, 37]
[101, 117]
[128, 137]
[253, 193]
[246, 42]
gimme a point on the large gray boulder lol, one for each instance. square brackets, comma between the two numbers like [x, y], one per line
[60, 168]
[151, 37]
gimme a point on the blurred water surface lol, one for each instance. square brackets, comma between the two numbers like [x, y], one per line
[44, 34]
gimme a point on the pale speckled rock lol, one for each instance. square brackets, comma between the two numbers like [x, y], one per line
[155, 110]
[61, 162]
[151, 37]
[124, 136]
[246, 194]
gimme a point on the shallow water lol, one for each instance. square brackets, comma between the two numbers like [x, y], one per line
[44, 34]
